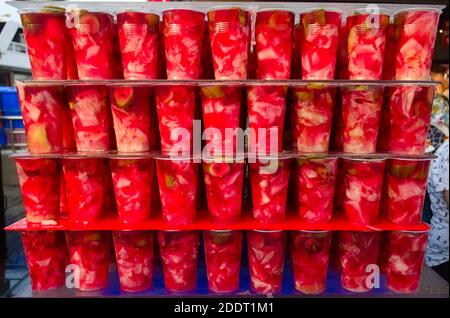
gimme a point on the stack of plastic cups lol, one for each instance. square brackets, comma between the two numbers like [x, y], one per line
[177, 173]
[45, 114]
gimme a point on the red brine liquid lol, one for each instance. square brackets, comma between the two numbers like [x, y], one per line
[93, 41]
[132, 179]
[89, 257]
[229, 31]
[48, 43]
[183, 37]
[358, 250]
[179, 252]
[224, 186]
[130, 106]
[366, 40]
[91, 120]
[221, 117]
[363, 186]
[223, 251]
[312, 118]
[410, 113]
[310, 258]
[415, 35]
[266, 109]
[177, 181]
[139, 45]
[42, 111]
[406, 187]
[266, 253]
[176, 110]
[46, 255]
[87, 191]
[319, 36]
[134, 257]
[316, 180]
[40, 187]
[361, 115]
[269, 179]
[406, 251]
[273, 35]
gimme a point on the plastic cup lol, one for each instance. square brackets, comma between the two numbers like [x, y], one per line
[183, 37]
[389, 54]
[269, 181]
[415, 35]
[134, 257]
[361, 115]
[224, 181]
[363, 180]
[229, 32]
[312, 118]
[358, 251]
[410, 113]
[310, 257]
[366, 39]
[223, 260]
[89, 256]
[87, 188]
[266, 260]
[42, 111]
[40, 186]
[48, 58]
[221, 117]
[130, 106]
[93, 40]
[177, 179]
[138, 37]
[407, 184]
[319, 34]
[179, 253]
[176, 111]
[91, 120]
[405, 260]
[316, 180]
[132, 179]
[273, 35]
[46, 255]
[266, 109]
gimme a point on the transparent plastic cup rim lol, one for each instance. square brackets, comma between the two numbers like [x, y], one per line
[419, 9]
[42, 10]
[413, 231]
[366, 159]
[362, 10]
[267, 231]
[413, 158]
[308, 10]
[221, 231]
[225, 158]
[178, 9]
[283, 9]
[314, 231]
[228, 6]
[131, 10]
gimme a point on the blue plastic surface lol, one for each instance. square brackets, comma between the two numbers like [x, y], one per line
[9, 101]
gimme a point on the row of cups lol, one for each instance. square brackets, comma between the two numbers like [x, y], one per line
[136, 45]
[358, 256]
[363, 189]
[313, 117]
